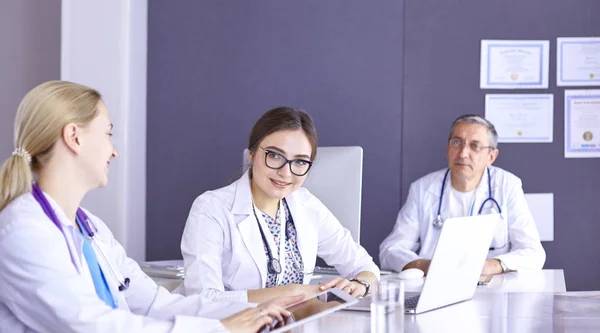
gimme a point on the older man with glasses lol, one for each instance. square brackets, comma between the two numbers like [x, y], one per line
[469, 186]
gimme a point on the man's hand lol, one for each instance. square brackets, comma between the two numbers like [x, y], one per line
[492, 267]
[422, 264]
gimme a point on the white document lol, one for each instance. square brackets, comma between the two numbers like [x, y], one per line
[514, 64]
[521, 117]
[582, 123]
[578, 62]
[541, 206]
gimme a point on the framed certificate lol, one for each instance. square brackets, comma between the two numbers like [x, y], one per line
[578, 62]
[507, 64]
[582, 123]
[521, 118]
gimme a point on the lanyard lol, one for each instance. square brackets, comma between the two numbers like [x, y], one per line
[86, 224]
[262, 224]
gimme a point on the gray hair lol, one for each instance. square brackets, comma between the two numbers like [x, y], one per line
[475, 119]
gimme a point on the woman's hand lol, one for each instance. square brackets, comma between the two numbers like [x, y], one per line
[253, 319]
[266, 294]
[308, 290]
[247, 321]
[351, 287]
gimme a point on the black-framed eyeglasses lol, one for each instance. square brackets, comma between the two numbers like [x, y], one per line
[473, 145]
[275, 160]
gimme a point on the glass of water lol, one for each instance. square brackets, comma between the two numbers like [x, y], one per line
[387, 307]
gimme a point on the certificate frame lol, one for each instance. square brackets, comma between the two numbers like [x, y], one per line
[489, 63]
[503, 138]
[586, 152]
[592, 79]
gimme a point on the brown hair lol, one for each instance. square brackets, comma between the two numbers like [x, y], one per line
[283, 119]
[41, 117]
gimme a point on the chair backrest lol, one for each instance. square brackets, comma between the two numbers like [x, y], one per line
[336, 179]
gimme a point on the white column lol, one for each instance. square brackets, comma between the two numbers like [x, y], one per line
[104, 46]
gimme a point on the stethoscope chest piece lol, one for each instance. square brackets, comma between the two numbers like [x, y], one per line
[274, 266]
[125, 285]
[438, 222]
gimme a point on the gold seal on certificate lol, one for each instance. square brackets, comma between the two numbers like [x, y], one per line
[591, 75]
[588, 136]
[514, 76]
[519, 133]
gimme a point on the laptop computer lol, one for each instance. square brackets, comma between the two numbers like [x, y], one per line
[456, 265]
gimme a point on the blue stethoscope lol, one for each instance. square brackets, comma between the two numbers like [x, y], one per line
[89, 228]
[438, 222]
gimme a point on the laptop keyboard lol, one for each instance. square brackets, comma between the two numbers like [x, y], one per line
[411, 302]
[326, 270]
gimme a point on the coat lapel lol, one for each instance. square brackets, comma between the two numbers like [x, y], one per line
[435, 191]
[248, 226]
[484, 193]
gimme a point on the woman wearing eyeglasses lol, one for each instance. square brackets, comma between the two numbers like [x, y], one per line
[259, 237]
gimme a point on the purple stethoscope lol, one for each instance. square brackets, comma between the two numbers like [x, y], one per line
[88, 226]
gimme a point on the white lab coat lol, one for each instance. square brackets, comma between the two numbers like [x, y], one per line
[414, 236]
[44, 289]
[223, 251]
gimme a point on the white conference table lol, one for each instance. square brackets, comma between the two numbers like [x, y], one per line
[514, 302]
[546, 280]
[499, 312]
[525, 301]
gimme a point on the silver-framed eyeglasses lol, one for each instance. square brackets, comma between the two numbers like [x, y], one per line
[275, 160]
[475, 146]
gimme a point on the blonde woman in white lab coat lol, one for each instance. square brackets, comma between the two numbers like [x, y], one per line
[259, 237]
[61, 270]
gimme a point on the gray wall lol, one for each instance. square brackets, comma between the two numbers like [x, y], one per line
[215, 67]
[29, 55]
[372, 74]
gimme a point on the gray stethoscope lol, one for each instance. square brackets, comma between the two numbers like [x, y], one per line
[438, 222]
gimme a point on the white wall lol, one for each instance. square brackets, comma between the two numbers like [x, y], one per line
[104, 47]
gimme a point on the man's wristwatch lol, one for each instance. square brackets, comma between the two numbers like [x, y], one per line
[364, 283]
